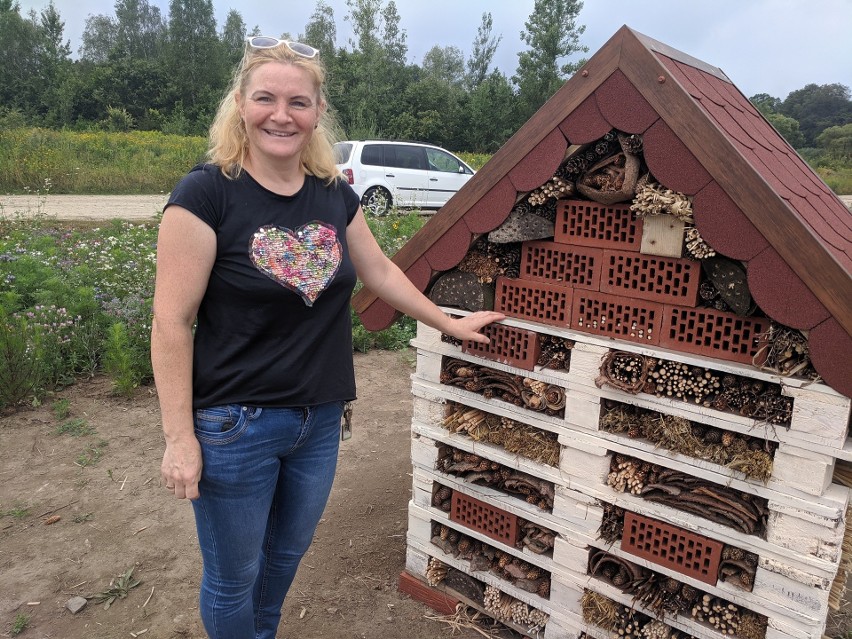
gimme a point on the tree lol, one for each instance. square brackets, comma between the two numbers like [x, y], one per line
[321, 32]
[445, 64]
[817, 107]
[836, 141]
[371, 80]
[765, 103]
[197, 61]
[484, 48]
[234, 37]
[19, 86]
[54, 57]
[552, 35]
[99, 38]
[140, 29]
[788, 128]
[393, 37]
[492, 114]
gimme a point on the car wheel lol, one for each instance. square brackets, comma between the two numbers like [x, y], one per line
[376, 201]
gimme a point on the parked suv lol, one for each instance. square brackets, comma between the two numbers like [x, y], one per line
[407, 174]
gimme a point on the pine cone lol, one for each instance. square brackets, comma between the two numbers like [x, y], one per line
[727, 438]
[713, 436]
[443, 494]
[737, 554]
[672, 585]
[688, 593]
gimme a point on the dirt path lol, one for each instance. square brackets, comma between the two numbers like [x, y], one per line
[105, 207]
[104, 485]
[84, 207]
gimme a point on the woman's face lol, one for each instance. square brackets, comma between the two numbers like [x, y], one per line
[280, 108]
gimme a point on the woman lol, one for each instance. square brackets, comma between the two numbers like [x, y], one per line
[262, 246]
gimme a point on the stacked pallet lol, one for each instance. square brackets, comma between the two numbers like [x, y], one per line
[616, 530]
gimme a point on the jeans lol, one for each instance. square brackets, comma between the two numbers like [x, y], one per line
[265, 481]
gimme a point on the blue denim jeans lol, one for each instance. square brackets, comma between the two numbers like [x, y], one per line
[265, 481]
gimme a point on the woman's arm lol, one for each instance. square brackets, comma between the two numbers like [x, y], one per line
[186, 250]
[386, 280]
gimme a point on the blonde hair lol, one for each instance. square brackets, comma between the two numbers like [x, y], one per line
[228, 142]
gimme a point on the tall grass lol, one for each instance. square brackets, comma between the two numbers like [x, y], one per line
[839, 179]
[103, 163]
[95, 163]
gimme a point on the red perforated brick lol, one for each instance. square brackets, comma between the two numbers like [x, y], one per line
[690, 554]
[484, 518]
[591, 224]
[508, 345]
[626, 318]
[705, 331]
[536, 301]
[659, 279]
[577, 266]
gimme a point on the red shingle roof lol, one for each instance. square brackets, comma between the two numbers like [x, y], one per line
[755, 199]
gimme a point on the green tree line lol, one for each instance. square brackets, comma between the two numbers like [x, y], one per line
[138, 69]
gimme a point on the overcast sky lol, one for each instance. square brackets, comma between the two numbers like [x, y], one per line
[764, 46]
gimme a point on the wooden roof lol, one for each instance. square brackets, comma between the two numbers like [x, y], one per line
[755, 199]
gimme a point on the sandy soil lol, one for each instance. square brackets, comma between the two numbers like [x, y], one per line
[115, 515]
[84, 207]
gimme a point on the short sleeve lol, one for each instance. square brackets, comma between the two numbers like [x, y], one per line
[350, 199]
[199, 193]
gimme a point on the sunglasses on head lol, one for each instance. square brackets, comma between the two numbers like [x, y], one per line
[268, 42]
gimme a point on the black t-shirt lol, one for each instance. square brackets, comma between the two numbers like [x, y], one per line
[274, 327]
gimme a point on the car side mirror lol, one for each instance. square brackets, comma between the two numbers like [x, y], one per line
[461, 170]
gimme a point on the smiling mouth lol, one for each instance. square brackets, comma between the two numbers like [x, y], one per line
[279, 134]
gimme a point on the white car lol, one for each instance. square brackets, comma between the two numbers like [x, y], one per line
[407, 174]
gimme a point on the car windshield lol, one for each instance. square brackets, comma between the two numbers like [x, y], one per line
[342, 151]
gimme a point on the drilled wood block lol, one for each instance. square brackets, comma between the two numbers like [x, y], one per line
[688, 553]
[536, 301]
[509, 345]
[659, 279]
[587, 223]
[713, 333]
[563, 264]
[624, 318]
[662, 235]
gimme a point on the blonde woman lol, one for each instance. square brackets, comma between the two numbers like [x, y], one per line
[259, 250]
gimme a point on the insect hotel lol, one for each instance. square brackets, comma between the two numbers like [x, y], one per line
[654, 443]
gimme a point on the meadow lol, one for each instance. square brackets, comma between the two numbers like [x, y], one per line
[103, 163]
[75, 300]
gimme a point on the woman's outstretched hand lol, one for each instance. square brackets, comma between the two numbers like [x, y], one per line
[468, 327]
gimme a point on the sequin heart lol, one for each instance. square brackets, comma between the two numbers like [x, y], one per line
[304, 260]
